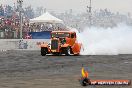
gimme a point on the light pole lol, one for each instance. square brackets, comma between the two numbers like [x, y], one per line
[89, 10]
[19, 2]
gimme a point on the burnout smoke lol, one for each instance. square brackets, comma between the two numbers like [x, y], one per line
[111, 41]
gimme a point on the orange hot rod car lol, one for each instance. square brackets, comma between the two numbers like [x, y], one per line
[62, 42]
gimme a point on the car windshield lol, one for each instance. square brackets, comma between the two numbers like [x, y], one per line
[58, 34]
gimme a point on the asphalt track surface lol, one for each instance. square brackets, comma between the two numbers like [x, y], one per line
[28, 69]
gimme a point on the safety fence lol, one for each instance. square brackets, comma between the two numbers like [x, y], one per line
[21, 44]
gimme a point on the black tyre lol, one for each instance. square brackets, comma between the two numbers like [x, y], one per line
[68, 51]
[43, 51]
[85, 82]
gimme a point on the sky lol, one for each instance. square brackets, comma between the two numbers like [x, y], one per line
[123, 6]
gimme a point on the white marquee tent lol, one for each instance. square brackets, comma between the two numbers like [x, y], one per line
[46, 17]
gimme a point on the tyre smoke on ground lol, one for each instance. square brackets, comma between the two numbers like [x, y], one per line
[101, 41]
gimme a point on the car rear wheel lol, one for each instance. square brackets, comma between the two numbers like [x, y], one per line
[43, 51]
[77, 54]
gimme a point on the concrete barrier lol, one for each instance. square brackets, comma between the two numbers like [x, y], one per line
[20, 44]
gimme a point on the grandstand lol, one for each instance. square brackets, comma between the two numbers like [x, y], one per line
[10, 22]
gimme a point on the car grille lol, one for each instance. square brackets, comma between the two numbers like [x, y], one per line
[54, 44]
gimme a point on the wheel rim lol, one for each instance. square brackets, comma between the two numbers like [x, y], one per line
[69, 51]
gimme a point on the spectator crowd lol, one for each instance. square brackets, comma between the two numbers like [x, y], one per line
[99, 18]
[10, 22]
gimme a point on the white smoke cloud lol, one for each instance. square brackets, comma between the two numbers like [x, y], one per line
[111, 41]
